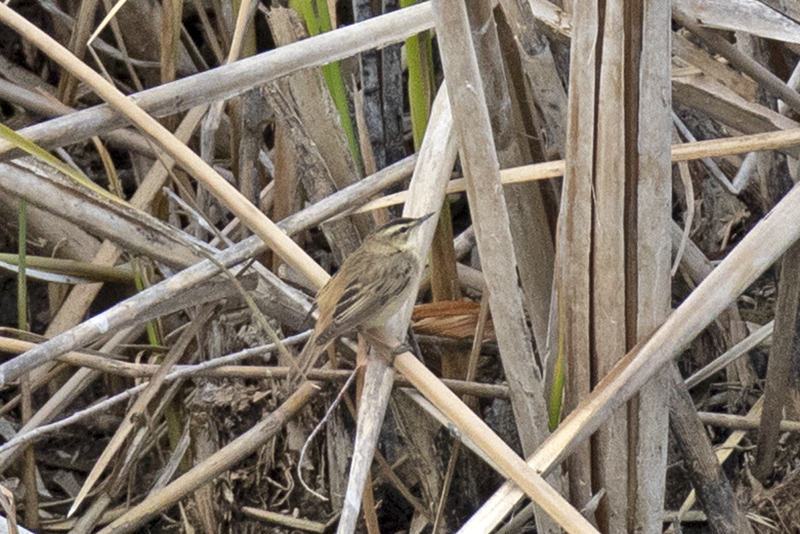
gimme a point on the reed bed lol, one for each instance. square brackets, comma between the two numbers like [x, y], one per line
[604, 334]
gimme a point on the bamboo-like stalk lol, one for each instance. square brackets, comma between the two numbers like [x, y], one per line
[29, 459]
[782, 361]
[435, 161]
[764, 244]
[683, 152]
[512, 465]
[573, 258]
[81, 269]
[489, 213]
[610, 284]
[233, 79]
[378, 382]
[653, 190]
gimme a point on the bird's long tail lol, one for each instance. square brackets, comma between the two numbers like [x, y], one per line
[306, 361]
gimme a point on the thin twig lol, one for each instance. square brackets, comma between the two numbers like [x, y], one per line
[320, 425]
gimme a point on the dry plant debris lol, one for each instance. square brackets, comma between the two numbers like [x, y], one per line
[618, 305]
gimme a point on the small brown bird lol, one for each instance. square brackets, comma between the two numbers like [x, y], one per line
[370, 286]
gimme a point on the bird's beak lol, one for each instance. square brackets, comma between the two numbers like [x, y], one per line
[424, 218]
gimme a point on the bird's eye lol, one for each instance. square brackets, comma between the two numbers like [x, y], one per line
[403, 229]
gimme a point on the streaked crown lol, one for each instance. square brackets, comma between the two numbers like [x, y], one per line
[399, 230]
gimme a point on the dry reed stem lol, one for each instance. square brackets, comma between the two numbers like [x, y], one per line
[233, 79]
[468, 423]
[702, 468]
[225, 192]
[739, 59]
[47, 107]
[378, 382]
[217, 463]
[781, 365]
[610, 286]
[683, 152]
[724, 451]
[434, 164]
[490, 216]
[250, 214]
[216, 369]
[653, 190]
[738, 350]
[29, 433]
[572, 305]
[764, 244]
[135, 229]
[740, 422]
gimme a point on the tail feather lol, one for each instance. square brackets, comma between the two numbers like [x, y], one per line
[307, 360]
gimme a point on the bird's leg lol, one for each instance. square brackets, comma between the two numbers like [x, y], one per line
[412, 345]
[386, 346]
[389, 346]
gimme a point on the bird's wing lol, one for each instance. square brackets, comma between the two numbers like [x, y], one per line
[363, 300]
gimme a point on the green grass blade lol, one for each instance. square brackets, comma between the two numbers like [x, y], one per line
[317, 19]
[44, 156]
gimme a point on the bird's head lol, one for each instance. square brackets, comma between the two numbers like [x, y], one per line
[398, 232]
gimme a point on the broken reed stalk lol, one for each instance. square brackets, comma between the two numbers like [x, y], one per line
[759, 249]
[779, 368]
[468, 423]
[233, 79]
[290, 251]
[684, 152]
[490, 216]
[219, 462]
[434, 164]
[708, 479]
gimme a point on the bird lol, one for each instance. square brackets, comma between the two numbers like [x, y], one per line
[369, 287]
